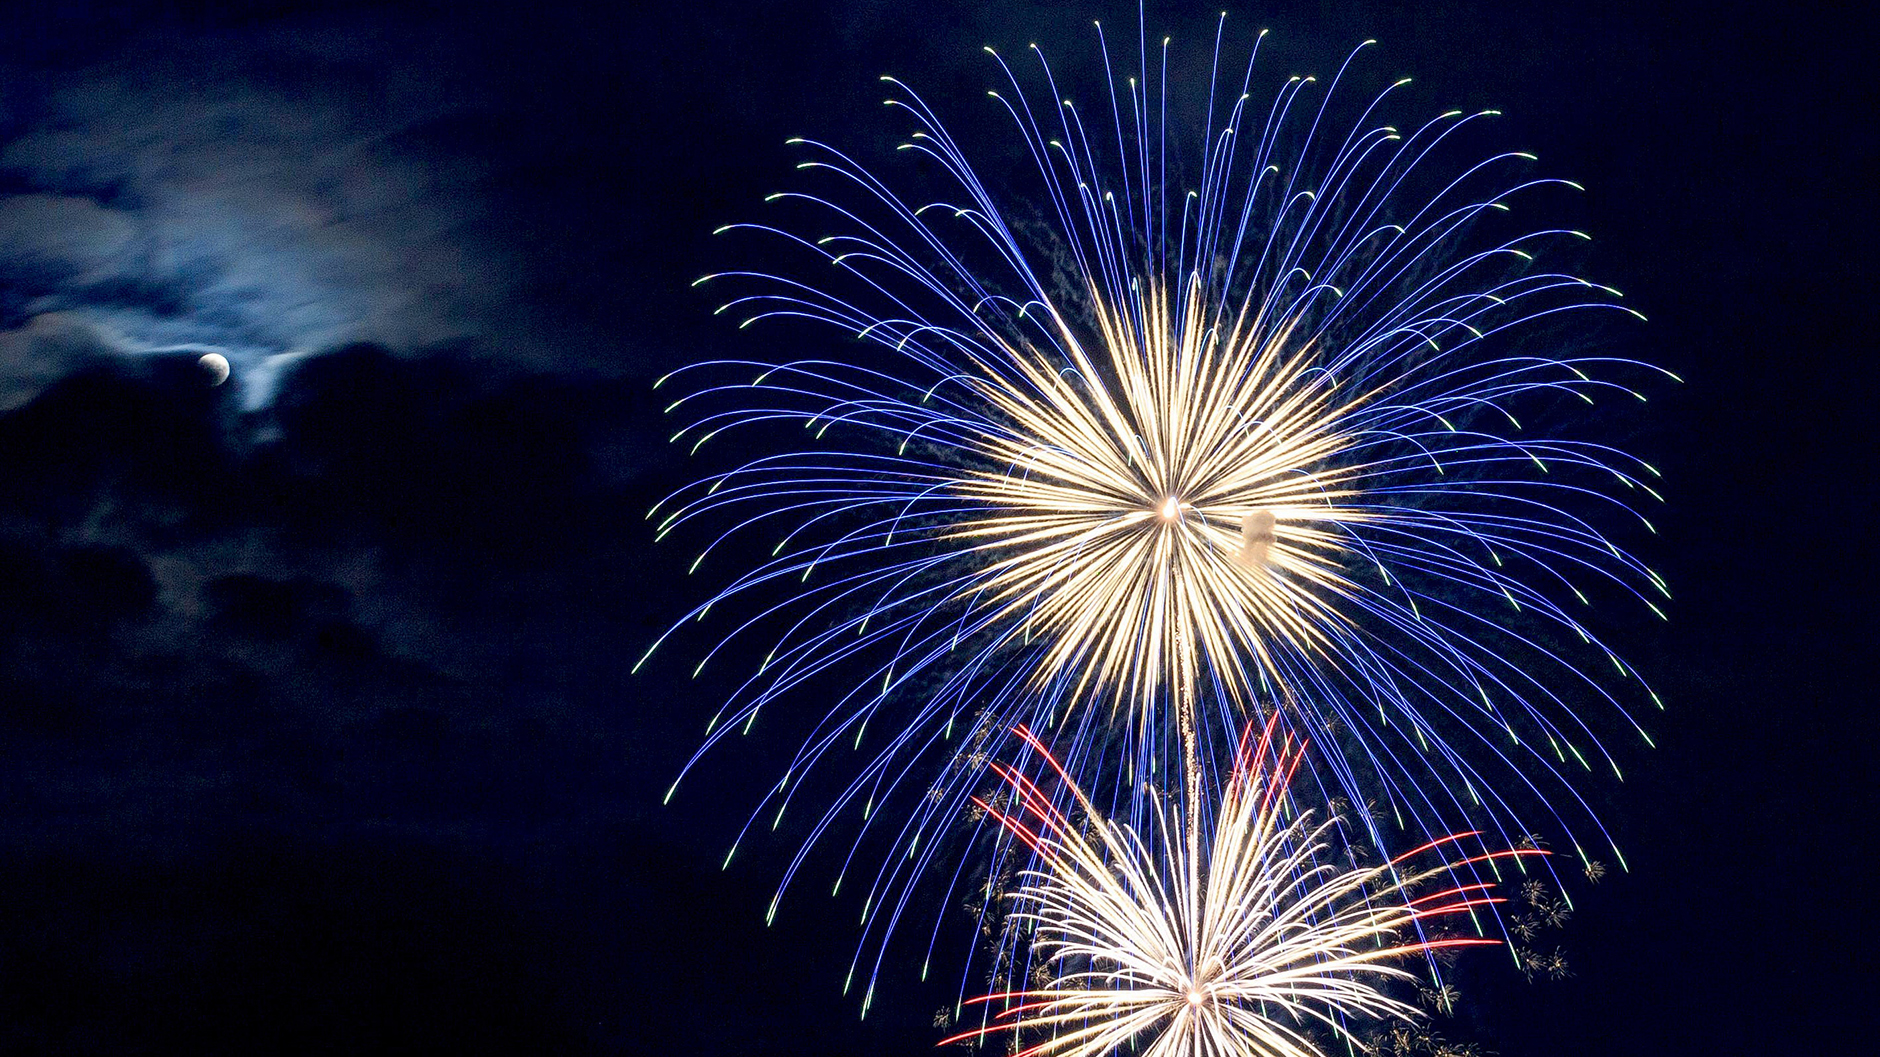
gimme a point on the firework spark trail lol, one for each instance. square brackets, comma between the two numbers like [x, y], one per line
[1033, 511]
[1238, 952]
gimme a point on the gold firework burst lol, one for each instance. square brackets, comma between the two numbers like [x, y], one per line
[1184, 502]
[1248, 949]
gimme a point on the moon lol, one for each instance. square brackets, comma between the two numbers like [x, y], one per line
[214, 367]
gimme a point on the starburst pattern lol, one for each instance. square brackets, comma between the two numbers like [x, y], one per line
[1253, 946]
[1113, 532]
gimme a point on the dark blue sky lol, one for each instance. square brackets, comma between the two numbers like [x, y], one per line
[314, 713]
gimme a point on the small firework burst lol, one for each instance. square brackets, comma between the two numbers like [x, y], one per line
[1251, 945]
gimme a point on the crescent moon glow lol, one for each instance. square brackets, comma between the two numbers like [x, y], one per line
[214, 366]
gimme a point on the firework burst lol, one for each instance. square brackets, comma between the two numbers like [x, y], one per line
[1252, 948]
[1180, 440]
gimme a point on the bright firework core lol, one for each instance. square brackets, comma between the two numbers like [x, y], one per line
[1172, 406]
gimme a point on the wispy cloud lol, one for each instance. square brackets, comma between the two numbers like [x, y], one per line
[290, 190]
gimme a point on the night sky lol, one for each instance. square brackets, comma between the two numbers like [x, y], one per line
[316, 727]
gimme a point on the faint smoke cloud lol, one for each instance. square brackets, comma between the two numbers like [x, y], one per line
[1256, 538]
